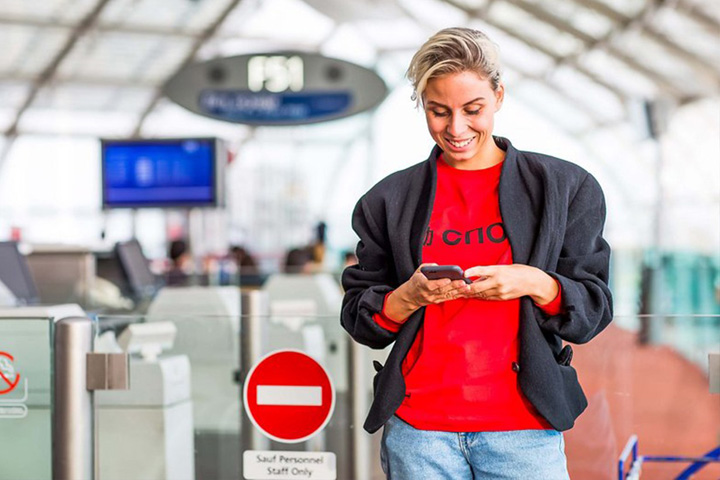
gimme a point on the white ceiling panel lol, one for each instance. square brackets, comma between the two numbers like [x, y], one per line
[348, 43]
[433, 14]
[553, 105]
[579, 16]
[515, 52]
[474, 4]
[180, 15]
[13, 94]
[278, 20]
[78, 122]
[583, 91]
[93, 97]
[58, 10]
[655, 57]
[630, 8]
[711, 8]
[540, 33]
[689, 34]
[28, 50]
[228, 47]
[125, 56]
[406, 33]
[615, 72]
[357, 10]
[7, 115]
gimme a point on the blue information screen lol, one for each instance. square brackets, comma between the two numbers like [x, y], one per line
[159, 173]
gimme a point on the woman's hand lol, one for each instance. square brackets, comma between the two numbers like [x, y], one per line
[507, 282]
[419, 291]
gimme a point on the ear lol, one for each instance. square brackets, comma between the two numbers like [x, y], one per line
[499, 96]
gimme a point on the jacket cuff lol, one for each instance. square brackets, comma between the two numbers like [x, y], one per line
[382, 319]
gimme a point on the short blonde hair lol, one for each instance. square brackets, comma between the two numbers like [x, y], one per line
[454, 50]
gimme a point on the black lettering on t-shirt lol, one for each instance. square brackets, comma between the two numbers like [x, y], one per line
[446, 237]
[493, 238]
[428, 237]
[468, 236]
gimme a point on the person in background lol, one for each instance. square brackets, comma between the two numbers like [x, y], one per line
[179, 257]
[299, 260]
[349, 259]
[478, 384]
[247, 265]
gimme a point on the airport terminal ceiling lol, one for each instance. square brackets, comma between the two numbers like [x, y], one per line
[587, 68]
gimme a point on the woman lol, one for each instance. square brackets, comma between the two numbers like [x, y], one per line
[477, 384]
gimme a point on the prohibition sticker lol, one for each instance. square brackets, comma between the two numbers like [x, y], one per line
[289, 396]
[8, 378]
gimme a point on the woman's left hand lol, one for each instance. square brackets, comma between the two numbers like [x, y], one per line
[507, 282]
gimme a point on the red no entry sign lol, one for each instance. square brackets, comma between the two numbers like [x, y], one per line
[289, 396]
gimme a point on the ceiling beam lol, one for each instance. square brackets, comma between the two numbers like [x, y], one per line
[541, 78]
[701, 68]
[624, 22]
[208, 33]
[698, 15]
[121, 28]
[557, 59]
[80, 81]
[49, 71]
[100, 27]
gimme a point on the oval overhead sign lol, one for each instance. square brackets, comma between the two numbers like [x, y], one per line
[281, 88]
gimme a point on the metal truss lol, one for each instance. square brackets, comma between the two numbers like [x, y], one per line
[49, 71]
[208, 33]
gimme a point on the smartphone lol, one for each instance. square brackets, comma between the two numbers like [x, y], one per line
[436, 272]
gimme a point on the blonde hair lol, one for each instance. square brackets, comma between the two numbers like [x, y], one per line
[454, 50]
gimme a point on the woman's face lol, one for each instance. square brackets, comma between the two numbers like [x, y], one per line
[460, 110]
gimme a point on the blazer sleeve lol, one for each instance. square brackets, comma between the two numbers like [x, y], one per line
[583, 269]
[367, 283]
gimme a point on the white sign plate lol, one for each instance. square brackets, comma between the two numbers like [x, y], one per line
[279, 465]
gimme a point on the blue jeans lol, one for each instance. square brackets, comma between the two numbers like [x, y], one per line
[411, 454]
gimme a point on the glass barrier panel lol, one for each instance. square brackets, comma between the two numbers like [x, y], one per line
[658, 390]
[26, 366]
[184, 415]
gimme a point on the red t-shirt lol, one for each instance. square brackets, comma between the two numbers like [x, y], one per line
[459, 371]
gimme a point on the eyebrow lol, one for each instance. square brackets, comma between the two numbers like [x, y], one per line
[478, 99]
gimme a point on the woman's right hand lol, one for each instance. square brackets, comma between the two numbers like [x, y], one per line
[419, 291]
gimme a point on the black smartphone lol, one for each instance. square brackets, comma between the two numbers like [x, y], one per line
[436, 272]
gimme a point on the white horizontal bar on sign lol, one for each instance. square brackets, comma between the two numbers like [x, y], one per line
[289, 395]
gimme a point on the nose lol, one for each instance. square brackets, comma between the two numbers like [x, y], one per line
[456, 125]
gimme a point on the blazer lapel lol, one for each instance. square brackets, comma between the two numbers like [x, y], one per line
[423, 190]
[516, 206]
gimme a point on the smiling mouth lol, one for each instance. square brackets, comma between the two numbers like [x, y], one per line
[461, 144]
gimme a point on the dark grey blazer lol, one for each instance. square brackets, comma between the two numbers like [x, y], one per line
[553, 212]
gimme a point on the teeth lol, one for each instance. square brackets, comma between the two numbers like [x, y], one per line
[460, 144]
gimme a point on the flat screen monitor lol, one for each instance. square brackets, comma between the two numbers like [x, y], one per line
[141, 282]
[15, 274]
[179, 172]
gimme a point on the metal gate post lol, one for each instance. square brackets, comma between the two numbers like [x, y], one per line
[72, 452]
